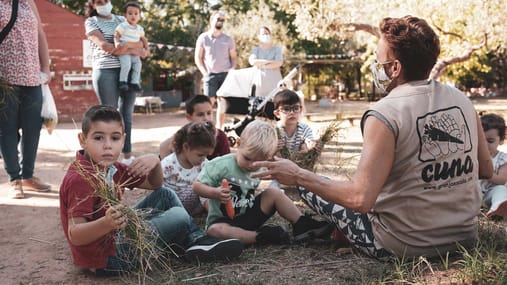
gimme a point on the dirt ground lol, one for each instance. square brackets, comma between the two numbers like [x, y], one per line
[33, 248]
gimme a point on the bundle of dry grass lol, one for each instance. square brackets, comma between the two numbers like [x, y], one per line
[146, 250]
[308, 160]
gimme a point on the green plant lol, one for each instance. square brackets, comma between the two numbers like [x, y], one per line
[308, 159]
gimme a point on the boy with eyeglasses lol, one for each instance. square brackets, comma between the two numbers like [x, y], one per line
[295, 135]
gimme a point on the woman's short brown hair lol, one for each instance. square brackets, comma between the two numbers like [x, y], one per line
[414, 43]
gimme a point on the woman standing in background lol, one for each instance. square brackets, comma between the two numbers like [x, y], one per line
[267, 58]
[100, 27]
[24, 56]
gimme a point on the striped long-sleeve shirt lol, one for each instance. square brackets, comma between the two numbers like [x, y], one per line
[102, 59]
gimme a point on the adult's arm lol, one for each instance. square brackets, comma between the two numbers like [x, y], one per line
[146, 48]
[361, 192]
[233, 55]
[484, 158]
[264, 63]
[199, 57]
[43, 43]
[98, 39]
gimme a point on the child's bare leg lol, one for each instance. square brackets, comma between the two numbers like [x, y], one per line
[273, 199]
[225, 231]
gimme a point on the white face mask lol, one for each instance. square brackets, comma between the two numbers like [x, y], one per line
[104, 10]
[266, 39]
[380, 77]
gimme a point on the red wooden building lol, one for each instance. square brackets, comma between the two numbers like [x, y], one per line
[71, 84]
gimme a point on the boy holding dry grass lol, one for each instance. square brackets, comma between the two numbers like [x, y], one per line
[104, 235]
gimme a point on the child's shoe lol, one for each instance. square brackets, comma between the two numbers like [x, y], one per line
[306, 228]
[272, 234]
[123, 86]
[208, 248]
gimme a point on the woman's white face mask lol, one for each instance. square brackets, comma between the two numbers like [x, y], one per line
[266, 39]
[380, 77]
[104, 10]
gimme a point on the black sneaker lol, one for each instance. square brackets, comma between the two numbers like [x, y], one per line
[272, 234]
[306, 229]
[123, 86]
[207, 248]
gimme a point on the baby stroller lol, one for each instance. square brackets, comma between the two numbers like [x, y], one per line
[256, 106]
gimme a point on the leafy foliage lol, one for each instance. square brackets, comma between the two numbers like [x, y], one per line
[324, 27]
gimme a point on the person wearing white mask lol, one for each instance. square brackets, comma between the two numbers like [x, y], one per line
[100, 26]
[268, 59]
[415, 191]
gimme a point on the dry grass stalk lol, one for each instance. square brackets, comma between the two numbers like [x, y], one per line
[147, 253]
[308, 160]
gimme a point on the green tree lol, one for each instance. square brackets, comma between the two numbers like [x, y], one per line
[464, 27]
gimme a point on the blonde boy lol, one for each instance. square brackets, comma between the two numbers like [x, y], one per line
[258, 142]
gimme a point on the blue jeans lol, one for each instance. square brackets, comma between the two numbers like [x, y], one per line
[213, 82]
[105, 84]
[132, 64]
[172, 222]
[21, 111]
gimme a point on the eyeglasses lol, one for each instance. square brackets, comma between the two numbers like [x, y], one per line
[379, 64]
[290, 109]
[220, 20]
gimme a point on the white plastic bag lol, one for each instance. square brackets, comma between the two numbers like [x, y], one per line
[48, 112]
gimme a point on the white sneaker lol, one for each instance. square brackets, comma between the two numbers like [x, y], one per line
[128, 161]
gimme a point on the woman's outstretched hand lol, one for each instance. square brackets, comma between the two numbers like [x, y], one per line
[283, 170]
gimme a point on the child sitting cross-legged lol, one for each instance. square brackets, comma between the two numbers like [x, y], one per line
[494, 188]
[257, 142]
[192, 144]
[95, 223]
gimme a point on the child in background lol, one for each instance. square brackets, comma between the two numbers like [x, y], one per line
[94, 229]
[494, 188]
[199, 109]
[130, 31]
[258, 142]
[192, 143]
[295, 135]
